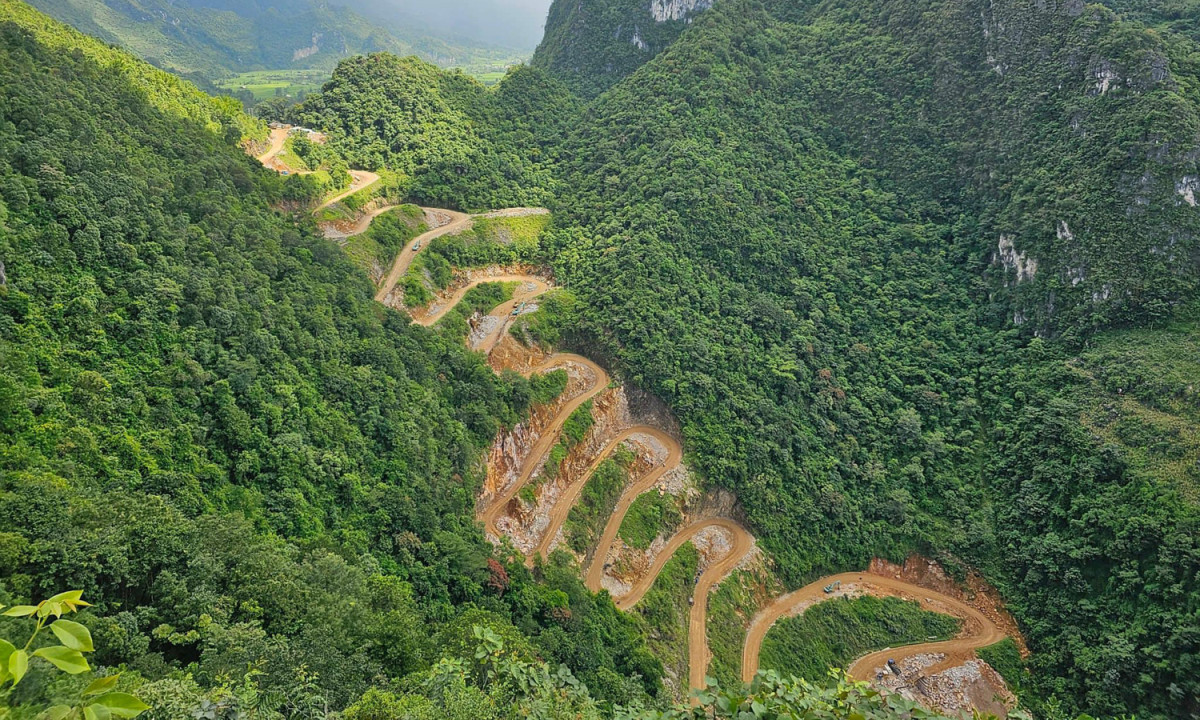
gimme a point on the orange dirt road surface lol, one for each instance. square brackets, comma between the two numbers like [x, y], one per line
[278, 137]
[359, 227]
[504, 310]
[361, 179]
[977, 631]
[595, 571]
[404, 258]
[558, 514]
[698, 654]
[549, 438]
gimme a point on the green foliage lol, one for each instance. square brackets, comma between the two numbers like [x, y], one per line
[650, 515]
[554, 460]
[574, 429]
[593, 44]
[494, 684]
[587, 517]
[771, 696]
[834, 633]
[666, 609]
[787, 225]
[213, 40]
[267, 478]
[578, 423]
[494, 241]
[546, 326]
[1097, 551]
[479, 299]
[98, 699]
[439, 128]
[1005, 658]
[1138, 391]
[164, 92]
[376, 249]
[548, 386]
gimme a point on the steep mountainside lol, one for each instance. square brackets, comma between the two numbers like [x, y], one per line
[912, 276]
[215, 38]
[593, 44]
[507, 23]
[828, 235]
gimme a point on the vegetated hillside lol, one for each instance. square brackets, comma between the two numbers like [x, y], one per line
[253, 471]
[593, 44]
[214, 39]
[163, 91]
[828, 235]
[464, 146]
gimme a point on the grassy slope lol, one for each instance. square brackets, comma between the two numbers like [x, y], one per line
[1141, 392]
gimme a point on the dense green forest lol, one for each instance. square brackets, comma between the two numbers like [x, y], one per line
[465, 147]
[912, 277]
[863, 251]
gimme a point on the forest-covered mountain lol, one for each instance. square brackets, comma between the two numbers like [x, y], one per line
[860, 249]
[912, 276]
[217, 38]
[593, 44]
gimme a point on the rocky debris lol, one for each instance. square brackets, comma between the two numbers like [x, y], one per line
[972, 686]
[713, 543]
[435, 218]
[510, 448]
[1008, 256]
[513, 212]
[482, 327]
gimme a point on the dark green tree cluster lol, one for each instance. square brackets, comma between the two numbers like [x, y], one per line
[464, 146]
[594, 44]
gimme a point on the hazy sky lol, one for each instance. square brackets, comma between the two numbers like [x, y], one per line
[511, 23]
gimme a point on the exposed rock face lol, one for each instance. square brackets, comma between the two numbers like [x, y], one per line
[664, 10]
[301, 53]
[1010, 258]
[1186, 188]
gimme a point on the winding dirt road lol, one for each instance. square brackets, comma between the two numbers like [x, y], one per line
[549, 438]
[362, 179]
[458, 221]
[360, 225]
[562, 508]
[977, 631]
[278, 137]
[741, 544]
[595, 572]
[530, 288]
